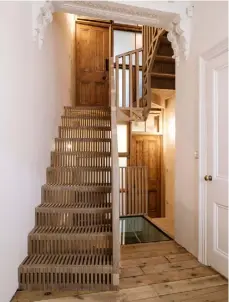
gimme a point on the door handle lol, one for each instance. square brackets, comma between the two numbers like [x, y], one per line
[208, 178]
[104, 77]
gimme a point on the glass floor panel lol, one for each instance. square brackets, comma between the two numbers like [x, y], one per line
[138, 229]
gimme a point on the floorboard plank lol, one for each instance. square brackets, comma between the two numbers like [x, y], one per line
[143, 261]
[152, 268]
[179, 257]
[210, 294]
[130, 272]
[135, 294]
[189, 285]
[152, 253]
[164, 277]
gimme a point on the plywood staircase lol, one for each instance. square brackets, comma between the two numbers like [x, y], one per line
[70, 246]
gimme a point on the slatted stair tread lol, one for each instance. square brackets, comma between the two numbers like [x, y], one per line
[97, 229]
[79, 169]
[81, 185]
[101, 128]
[87, 117]
[99, 108]
[82, 154]
[81, 188]
[83, 140]
[68, 260]
[73, 207]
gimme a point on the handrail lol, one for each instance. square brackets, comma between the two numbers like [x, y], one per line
[115, 179]
[129, 53]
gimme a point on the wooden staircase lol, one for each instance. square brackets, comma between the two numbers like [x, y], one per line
[163, 67]
[71, 244]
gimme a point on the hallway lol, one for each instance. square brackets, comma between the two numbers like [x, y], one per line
[154, 272]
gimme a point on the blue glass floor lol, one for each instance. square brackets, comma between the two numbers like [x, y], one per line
[138, 229]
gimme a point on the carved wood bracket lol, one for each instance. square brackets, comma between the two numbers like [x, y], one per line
[179, 34]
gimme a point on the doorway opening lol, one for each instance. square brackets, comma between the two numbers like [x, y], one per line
[146, 147]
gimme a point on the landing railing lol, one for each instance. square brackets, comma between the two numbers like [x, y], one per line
[114, 178]
[129, 80]
[133, 191]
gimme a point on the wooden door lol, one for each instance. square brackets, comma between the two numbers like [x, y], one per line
[216, 89]
[92, 63]
[146, 151]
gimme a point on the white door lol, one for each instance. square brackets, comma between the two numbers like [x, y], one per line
[216, 90]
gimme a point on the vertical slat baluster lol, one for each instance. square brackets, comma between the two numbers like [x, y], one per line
[146, 190]
[130, 82]
[137, 78]
[117, 82]
[133, 190]
[124, 81]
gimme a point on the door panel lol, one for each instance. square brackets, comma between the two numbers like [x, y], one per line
[217, 162]
[146, 151]
[92, 51]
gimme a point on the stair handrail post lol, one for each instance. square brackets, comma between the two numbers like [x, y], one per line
[115, 178]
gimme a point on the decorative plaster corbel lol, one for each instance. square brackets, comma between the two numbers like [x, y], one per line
[180, 33]
[42, 16]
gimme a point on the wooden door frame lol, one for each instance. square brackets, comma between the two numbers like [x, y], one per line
[205, 58]
[162, 188]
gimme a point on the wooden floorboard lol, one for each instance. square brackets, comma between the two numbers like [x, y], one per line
[155, 272]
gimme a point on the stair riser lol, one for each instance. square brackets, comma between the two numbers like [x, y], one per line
[69, 219]
[78, 278]
[83, 133]
[84, 244]
[74, 112]
[162, 83]
[84, 122]
[72, 196]
[165, 50]
[78, 177]
[82, 146]
[164, 67]
[68, 160]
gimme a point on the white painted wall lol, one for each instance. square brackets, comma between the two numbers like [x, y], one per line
[209, 27]
[169, 156]
[34, 86]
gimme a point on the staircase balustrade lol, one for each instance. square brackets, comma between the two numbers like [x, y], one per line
[133, 191]
[128, 96]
